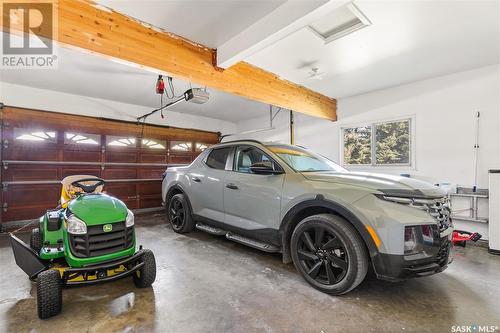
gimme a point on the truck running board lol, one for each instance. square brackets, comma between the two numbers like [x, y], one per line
[210, 229]
[252, 243]
[238, 238]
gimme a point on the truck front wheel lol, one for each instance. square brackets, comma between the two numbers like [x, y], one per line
[145, 276]
[329, 253]
[48, 293]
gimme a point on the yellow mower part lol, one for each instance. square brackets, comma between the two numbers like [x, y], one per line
[109, 272]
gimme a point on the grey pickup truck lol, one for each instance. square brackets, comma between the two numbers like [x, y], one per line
[332, 223]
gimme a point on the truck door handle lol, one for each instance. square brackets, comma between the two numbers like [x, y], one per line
[196, 179]
[232, 186]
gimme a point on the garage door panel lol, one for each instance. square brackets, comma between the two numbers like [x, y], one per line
[27, 195]
[150, 202]
[151, 173]
[154, 158]
[74, 170]
[124, 191]
[149, 188]
[30, 154]
[29, 172]
[81, 155]
[25, 213]
[180, 158]
[120, 173]
[121, 157]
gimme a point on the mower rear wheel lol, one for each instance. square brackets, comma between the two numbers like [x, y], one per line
[36, 241]
[48, 293]
[145, 276]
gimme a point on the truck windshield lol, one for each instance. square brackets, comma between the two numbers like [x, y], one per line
[302, 160]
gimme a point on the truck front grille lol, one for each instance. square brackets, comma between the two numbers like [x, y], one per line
[440, 211]
[438, 208]
[96, 242]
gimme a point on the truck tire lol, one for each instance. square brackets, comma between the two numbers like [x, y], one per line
[179, 214]
[329, 253]
[48, 293]
[36, 241]
[145, 276]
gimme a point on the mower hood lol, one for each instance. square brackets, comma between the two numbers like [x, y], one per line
[95, 209]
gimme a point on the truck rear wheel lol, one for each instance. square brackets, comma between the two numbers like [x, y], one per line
[36, 240]
[329, 253]
[145, 276]
[48, 293]
[179, 214]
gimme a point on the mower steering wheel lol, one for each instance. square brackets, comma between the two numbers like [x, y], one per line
[88, 188]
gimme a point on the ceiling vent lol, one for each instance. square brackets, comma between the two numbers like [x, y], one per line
[339, 23]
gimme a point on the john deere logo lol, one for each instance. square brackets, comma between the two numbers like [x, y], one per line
[107, 227]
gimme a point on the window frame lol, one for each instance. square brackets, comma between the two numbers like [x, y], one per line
[373, 144]
[229, 157]
[277, 165]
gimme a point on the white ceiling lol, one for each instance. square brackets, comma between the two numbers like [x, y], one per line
[208, 22]
[407, 41]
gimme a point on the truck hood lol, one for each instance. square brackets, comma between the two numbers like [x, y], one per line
[387, 184]
[96, 209]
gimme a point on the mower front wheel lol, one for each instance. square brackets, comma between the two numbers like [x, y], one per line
[36, 240]
[48, 293]
[145, 276]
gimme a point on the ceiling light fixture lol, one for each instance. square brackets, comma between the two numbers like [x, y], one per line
[339, 23]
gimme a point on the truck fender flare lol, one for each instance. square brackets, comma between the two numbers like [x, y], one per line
[177, 187]
[320, 201]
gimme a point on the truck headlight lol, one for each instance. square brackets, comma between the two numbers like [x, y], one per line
[411, 242]
[76, 226]
[129, 221]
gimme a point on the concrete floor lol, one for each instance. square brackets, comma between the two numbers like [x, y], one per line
[209, 284]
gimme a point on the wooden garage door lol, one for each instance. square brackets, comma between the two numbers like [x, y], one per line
[40, 148]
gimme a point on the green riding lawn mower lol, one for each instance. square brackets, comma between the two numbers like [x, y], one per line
[89, 238]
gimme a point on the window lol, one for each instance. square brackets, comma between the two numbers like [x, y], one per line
[302, 160]
[118, 141]
[180, 146]
[24, 134]
[153, 144]
[201, 146]
[218, 157]
[246, 156]
[386, 143]
[357, 145]
[84, 139]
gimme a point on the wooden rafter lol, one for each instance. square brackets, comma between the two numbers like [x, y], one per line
[83, 25]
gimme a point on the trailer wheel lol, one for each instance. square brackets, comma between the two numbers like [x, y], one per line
[48, 293]
[145, 276]
[36, 240]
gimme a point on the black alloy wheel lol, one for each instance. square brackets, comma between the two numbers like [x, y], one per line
[329, 253]
[176, 212]
[179, 214]
[322, 255]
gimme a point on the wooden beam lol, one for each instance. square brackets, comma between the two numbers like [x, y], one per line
[83, 25]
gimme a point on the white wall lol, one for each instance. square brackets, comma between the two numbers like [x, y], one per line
[444, 112]
[49, 100]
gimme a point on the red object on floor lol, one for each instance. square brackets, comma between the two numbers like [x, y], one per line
[460, 237]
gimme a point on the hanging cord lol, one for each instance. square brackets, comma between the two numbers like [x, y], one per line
[171, 86]
[23, 227]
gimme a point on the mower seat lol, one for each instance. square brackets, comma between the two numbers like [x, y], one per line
[69, 191]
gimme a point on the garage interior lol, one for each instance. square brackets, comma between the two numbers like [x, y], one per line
[327, 75]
